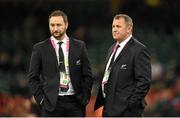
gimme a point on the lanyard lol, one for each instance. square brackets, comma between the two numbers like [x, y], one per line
[66, 54]
[107, 71]
[67, 45]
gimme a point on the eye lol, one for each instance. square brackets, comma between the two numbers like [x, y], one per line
[52, 25]
[59, 25]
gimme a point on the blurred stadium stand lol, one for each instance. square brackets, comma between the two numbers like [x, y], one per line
[25, 22]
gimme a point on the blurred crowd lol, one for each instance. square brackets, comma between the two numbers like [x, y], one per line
[24, 23]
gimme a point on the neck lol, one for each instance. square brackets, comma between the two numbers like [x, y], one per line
[121, 40]
[127, 36]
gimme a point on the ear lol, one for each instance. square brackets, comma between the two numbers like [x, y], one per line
[129, 28]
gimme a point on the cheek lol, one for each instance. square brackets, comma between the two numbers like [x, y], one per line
[51, 29]
[63, 29]
[123, 32]
[120, 33]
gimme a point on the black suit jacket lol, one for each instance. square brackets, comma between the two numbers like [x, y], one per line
[129, 81]
[44, 73]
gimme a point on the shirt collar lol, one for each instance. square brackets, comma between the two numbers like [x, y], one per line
[64, 40]
[123, 43]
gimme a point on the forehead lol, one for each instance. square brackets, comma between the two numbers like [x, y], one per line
[56, 19]
[119, 21]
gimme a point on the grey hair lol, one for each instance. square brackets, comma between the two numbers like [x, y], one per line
[127, 18]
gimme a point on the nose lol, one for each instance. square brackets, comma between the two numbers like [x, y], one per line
[114, 29]
[55, 28]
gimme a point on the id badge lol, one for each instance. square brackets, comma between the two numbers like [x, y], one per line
[63, 80]
[106, 76]
[66, 61]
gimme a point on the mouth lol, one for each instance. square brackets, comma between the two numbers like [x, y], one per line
[56, 33]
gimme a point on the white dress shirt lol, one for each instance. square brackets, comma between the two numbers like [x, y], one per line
[63, 46]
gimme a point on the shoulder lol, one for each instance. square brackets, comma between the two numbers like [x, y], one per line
[139, 47]
[137, 44]
[77, 42]
[41, 44]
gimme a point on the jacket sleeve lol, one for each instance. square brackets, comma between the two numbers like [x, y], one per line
[142, 69]
[34, 75]
[87, 76]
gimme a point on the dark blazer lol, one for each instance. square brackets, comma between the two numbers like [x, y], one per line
[128, 83]
[44, 73]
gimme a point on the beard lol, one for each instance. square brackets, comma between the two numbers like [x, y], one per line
[58, 35]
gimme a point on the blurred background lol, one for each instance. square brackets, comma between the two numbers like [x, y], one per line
[25, 22]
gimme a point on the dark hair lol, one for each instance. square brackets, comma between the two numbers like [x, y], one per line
[59, 13]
